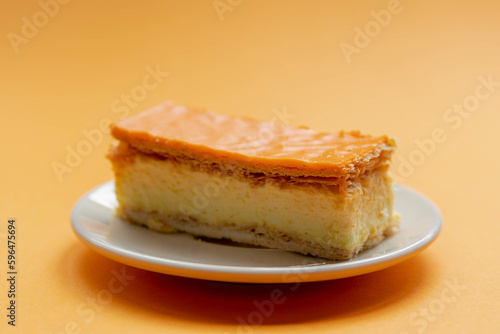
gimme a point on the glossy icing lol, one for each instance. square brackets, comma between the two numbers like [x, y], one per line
[203, 130]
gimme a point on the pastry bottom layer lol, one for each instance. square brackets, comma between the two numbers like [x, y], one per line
[262, 236]
[309, 218]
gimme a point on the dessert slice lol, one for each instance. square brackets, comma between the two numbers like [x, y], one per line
[191, 170]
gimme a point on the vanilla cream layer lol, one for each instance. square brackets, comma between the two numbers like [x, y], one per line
[311, 212]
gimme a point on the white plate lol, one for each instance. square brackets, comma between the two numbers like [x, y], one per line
[180, 254]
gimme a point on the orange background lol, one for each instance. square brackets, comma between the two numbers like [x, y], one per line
[65, 79]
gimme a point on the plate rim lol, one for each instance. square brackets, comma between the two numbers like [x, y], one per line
[241, 274]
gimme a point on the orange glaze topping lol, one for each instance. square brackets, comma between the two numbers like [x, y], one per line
[248, 139]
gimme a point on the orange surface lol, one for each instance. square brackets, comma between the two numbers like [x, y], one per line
[427, 73]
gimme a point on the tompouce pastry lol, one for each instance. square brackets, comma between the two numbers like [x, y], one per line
[194, 171]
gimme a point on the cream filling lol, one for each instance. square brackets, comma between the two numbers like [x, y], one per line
[316, 213]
